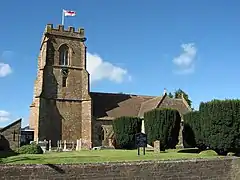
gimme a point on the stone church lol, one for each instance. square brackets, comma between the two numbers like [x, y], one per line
[63, 107]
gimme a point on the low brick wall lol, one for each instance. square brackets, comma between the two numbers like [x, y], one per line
[214, 169]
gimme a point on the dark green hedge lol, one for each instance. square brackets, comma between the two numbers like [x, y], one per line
[163, 125]
[220, 123]
[192, 136]
[125, 129]
[216, 125]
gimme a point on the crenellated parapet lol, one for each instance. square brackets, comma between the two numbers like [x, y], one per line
[69, 32]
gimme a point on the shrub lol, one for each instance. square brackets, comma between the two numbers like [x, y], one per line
[208, 153]
[192, 136]
[220, 123]
[163, 125]
[125, 129]
[30, 149]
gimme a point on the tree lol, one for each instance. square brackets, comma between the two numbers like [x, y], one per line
[125, 129]
[162, 124]
[170, 95]
[178, 94]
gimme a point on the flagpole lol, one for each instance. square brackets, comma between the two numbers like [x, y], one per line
[63, 17]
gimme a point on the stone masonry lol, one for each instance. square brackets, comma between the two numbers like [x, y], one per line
[58, 111]
[196, 169]
[10, 136]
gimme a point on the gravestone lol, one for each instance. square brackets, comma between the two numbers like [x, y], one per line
[79, 145]
[43, 145]
[156, 146]
[50, 145]
[141, 141]
[64, 145]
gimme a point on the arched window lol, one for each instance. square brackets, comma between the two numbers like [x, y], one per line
[64, 55]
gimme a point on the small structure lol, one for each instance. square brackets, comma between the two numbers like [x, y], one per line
[10, 136]
[141, 141]
[157, 147]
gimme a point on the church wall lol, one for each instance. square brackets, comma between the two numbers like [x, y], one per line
[60, 120]
[97, 130]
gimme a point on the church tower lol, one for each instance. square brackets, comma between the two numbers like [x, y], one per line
[61, 108]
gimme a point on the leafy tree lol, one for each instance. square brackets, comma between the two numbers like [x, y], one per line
[178, 94]
[170, 95]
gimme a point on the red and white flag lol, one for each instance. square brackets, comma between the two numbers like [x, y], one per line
[69, 13]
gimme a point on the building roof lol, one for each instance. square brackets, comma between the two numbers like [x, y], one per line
[108, 106]
[113, 105]
[10, 125]
[150, 105]
[179, 104]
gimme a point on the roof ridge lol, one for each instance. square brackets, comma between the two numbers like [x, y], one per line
[11, 124]
[145, 102]
[115, 93]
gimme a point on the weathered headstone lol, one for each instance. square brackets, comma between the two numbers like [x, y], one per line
[79, 145]
[141, 141]
[156, 146]
[43, 145]
[73, 145]
[50, 145]
[64, 145]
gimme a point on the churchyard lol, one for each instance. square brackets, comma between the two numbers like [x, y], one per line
[204, 136]
[99, 156]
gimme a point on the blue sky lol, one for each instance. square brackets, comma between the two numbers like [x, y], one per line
[135, 46]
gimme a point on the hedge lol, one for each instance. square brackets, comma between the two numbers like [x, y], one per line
[192, 136]
[164, 125]
[220, 123]
[216, 126]
[125, 129]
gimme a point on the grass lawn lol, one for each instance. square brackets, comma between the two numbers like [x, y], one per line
[98, 156]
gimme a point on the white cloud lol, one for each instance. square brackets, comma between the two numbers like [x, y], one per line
[185, 61]
[4, 116]
[5, 69]
[100, 69]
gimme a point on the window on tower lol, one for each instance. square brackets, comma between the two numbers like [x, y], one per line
[64, 81]
[63, 55]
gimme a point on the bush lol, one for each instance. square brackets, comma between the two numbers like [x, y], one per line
[30, 149]
[220, 123]
[163, 125]
[192, 136]
[208, 153]
[125, 129]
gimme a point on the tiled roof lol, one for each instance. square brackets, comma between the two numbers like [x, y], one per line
[149, 105]
[112, 105]
[175, 104]
[108, 106]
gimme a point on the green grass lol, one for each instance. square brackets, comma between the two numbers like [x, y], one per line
[97, 156]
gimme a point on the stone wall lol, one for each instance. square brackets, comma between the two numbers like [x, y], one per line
[97, 132]
[10, 136]
[218, 169]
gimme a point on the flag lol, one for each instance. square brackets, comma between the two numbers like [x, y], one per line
[69, 13]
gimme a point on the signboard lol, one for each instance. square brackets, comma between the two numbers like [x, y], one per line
[141, 141]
